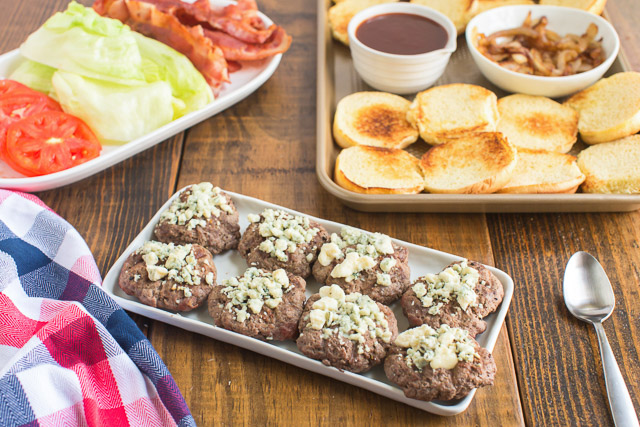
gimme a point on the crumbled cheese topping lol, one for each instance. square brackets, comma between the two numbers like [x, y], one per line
[255, 289]
[203, 201]
[167, 261]
[456, 282]
[354, 316]
[283, 232]
[360, 251]
[441, 348]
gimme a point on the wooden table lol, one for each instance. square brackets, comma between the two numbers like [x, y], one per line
[549, 370]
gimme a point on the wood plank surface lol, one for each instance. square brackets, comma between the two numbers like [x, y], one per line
[549, 370]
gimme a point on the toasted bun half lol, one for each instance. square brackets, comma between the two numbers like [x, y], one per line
[539, 171]
[612, 167]
[610, 109]
[452, 111]
[537, 123]
[373, 118]
[593, 6]
[375, 170]
[480, 163]
[492, 4]
[341, 13]
[459, 11]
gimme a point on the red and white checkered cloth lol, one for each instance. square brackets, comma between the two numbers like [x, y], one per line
[69, 355]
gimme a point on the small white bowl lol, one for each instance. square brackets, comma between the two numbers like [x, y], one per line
[400, 74]
[562, 20]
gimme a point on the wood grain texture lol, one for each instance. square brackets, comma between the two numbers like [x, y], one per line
[557, 356]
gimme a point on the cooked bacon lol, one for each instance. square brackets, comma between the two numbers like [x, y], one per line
[237, 50]
[208, 36]
[190, 41]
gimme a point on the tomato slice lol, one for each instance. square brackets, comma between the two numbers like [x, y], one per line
[8, 87]
[19, 104]
[49, 142]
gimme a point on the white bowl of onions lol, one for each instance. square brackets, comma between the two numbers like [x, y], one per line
[550, 51]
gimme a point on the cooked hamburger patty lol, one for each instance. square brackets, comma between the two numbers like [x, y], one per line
[203, 214]
[260, 304]
[367, 263]
[455, 298]
[169, 276]
[332, 332]
[425, 369]
[276, 239]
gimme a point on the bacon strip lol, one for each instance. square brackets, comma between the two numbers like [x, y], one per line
[209, 37]
[238, 50]
[190, 41]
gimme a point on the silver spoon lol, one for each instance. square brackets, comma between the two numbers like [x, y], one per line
[589, 297]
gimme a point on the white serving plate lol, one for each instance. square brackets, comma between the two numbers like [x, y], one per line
[250, 77]
[421, 261]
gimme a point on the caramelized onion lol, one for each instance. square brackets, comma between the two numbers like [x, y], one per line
[533, 49]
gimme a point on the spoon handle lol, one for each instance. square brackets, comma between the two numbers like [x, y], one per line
[619, 400]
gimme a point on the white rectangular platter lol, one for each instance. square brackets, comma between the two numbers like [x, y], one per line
[243, 83]
[421, 261]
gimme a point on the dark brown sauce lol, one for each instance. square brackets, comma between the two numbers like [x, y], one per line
[402, 34]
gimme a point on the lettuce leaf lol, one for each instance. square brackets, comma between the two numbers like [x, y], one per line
[116, 113]
[35, 75]
[80, 41]
[162, 63]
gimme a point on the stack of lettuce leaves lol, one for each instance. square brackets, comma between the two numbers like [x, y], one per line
[121, 83]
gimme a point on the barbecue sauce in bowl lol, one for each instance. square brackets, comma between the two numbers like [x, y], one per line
[402, 34]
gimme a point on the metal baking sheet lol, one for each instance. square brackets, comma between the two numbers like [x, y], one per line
[337, 78]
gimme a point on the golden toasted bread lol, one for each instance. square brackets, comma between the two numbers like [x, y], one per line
[610, 109]
[492, 4]
[341, 13]
[537, 123]
[540, 171]
[459, 11]
[612, 167]
[373, 118]
[593, 6]
[478, 163]
[376, 170]
[452, 111]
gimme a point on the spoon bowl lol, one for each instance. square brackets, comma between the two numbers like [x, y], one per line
[589, 296]
[586, 288]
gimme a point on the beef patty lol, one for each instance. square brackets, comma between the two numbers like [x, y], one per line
[260, 304]
[169, 276]
[202, 214]
[366, 263]
[332, 333]
[456, 308]
[276, 239]
[409, 367]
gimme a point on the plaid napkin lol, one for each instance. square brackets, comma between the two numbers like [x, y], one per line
[69, 355]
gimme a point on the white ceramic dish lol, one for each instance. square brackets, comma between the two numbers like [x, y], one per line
[421, 261]
[401, 74]
[250, 77]
[563, 20]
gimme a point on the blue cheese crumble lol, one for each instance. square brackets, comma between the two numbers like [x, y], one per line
[254, 289]
[354, 316]
[359, 251]
[457, 282]
[441, 348]
[167, 261]
[204, 201]
[283, 233]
